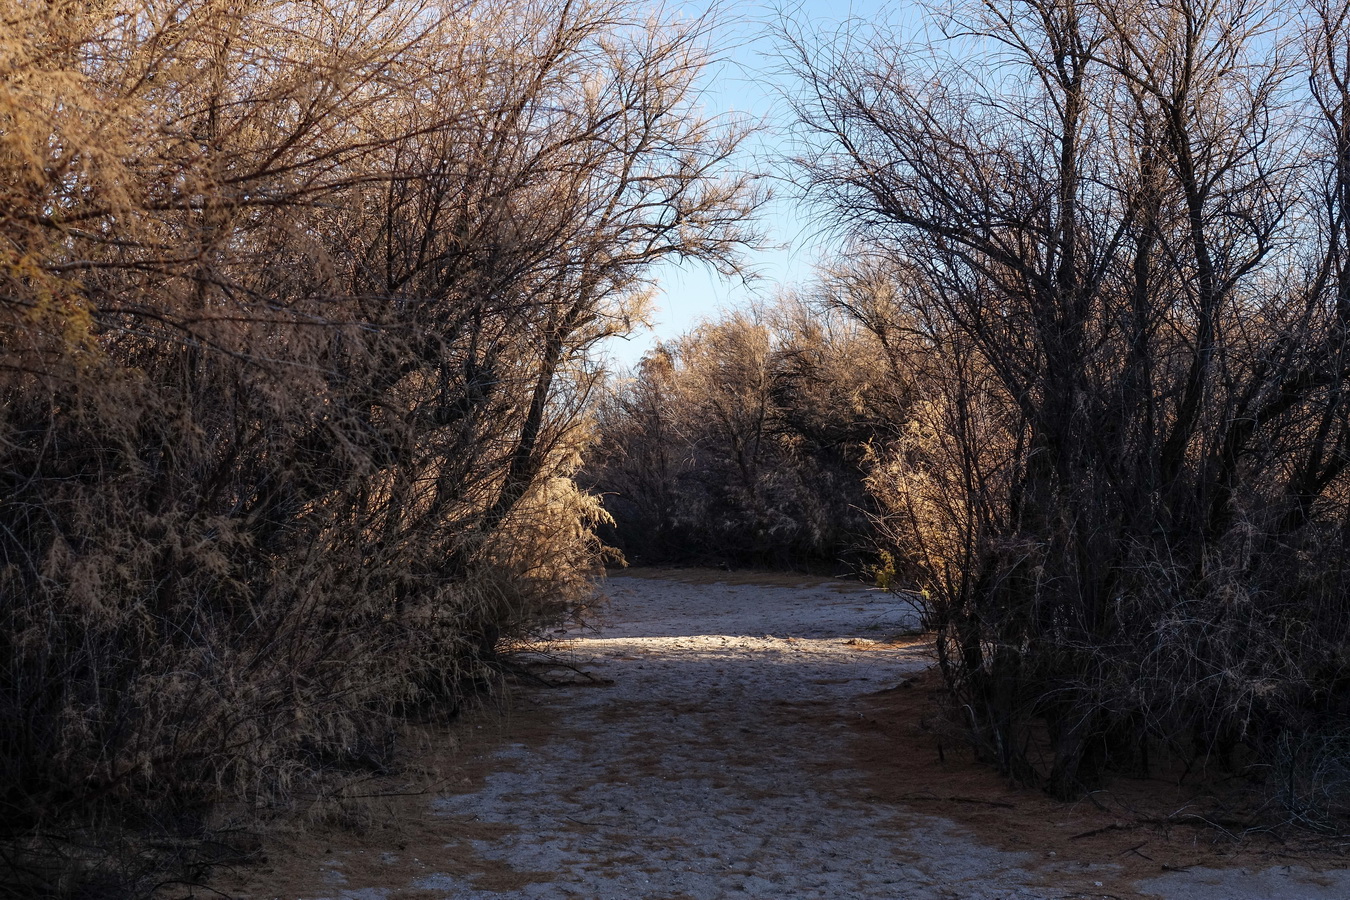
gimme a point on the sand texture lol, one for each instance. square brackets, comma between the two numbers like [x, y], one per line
[719, 740]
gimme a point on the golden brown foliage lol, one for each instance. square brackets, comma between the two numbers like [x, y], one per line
[744, 440]
[296, 306]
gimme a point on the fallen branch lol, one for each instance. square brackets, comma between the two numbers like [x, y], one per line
[975, 800]
[1114, 826]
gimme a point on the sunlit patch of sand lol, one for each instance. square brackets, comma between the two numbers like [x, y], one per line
[713, 740]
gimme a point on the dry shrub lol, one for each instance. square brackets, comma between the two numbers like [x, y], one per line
[743, 441]
[540, 568]
[1110, 243]
[296, 306]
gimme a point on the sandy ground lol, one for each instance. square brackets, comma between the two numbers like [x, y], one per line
[707, 746]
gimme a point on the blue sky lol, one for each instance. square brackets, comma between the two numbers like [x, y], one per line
[744, 82]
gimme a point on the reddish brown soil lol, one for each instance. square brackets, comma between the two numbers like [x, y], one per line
[914, 757]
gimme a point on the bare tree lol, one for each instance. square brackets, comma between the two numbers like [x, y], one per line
[297, 307]
[1121, 233]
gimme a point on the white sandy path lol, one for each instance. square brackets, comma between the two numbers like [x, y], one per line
[689, 778]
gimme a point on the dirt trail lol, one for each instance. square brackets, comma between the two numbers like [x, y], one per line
[698, 765]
